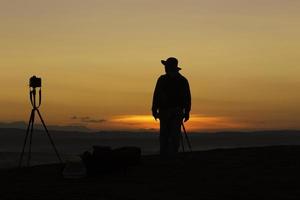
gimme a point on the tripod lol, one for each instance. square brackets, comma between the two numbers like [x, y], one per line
[186, 138]
[29, 131]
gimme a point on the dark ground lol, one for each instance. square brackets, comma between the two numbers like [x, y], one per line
[245, 173]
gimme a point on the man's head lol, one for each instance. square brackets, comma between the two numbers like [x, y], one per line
[171, 65]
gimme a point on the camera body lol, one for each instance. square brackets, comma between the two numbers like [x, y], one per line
[35, 82]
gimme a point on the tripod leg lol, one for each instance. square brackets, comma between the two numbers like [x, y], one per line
[25, 140]
[30, 138]
[186, 137]
[182, 142]
[49, 136]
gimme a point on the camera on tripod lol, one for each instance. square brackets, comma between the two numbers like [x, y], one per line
[35, 82]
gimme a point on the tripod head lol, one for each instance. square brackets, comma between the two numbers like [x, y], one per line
[34, 83]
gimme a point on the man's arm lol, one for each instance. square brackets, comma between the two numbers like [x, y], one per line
[155, 100]
[188, 102]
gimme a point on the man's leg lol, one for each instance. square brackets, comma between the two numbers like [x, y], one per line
[164, 137]
[175, 131]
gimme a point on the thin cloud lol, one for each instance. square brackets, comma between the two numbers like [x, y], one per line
[74, 117]
[87, 119]
[94, 120]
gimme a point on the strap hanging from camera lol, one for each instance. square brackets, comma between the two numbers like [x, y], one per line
[32, 94]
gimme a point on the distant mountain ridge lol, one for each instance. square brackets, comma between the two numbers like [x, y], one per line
[81, 128]
[76, 142]
[39, 126]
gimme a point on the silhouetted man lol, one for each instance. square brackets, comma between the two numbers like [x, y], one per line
[171, 104]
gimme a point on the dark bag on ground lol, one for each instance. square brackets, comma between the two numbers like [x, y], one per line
[103, 159]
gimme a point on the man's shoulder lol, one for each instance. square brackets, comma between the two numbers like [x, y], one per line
[178, 77]
[162, 77]
[183, 78]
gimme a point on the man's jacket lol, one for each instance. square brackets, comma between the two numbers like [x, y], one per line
[172, 91]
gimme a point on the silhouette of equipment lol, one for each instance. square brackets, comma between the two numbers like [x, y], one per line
[34, 83]
[186, 138]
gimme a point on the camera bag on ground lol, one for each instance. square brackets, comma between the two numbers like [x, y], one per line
[103, 159]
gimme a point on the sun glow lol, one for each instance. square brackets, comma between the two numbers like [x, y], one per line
[196, 122]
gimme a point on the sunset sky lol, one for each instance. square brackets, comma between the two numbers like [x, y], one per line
[99, 61]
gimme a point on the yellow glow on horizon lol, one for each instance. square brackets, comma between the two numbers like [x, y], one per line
[133, 118]
[196, 122]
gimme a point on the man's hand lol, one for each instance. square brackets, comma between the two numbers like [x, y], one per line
[186, 117]
[155, 115]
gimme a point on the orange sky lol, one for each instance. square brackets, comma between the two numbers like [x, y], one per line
[99, 61]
